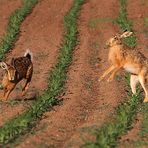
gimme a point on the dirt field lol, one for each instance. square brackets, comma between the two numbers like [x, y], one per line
[87, 103]
[137, 12]
[6, 8]
[43, 41]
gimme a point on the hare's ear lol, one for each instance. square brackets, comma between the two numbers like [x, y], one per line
[117, 36]
[126, 34]
[124, 31]
[12, 62]
[4, 65]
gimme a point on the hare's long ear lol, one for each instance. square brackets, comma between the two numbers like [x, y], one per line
[12, 62]
[126, 34]
[117, 36]
[4, 65]
[124, 31]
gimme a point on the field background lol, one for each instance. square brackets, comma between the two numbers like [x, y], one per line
[85, 104]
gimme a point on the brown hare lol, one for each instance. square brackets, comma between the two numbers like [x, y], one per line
[19, 68]
[132, 60]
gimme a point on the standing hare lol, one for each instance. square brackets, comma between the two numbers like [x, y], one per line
[20, 68]
[132, 60]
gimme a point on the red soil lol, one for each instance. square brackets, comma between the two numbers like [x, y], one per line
[41, 32]
[6, 8]
[87, 103]
[138, 12]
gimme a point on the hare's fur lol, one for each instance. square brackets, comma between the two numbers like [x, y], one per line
[120, 56]
[20, 68]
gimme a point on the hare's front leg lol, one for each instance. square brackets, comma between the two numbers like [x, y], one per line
[113, 74]
[7, 90]
[109, 70]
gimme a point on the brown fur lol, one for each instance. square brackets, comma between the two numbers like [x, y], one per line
[20, 68]
[130, 59]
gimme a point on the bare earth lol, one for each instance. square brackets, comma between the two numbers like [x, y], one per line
[41, 32]
[137, 12]
[6, 8]
[87, 103]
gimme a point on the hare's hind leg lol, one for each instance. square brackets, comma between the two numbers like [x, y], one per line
[26, 86]
[114, 73]
[6, 94]
[142, 80]
[133, 83]
[28, 79]
[8, 90]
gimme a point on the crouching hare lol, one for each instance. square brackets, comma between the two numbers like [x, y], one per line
[132, 60]
[19, 68]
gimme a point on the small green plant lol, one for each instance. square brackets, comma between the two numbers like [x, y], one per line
[144, 124]
[125, 24]
[142, 136]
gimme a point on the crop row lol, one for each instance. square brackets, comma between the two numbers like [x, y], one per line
[107, 136]
[22, 123]
[13, 28]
